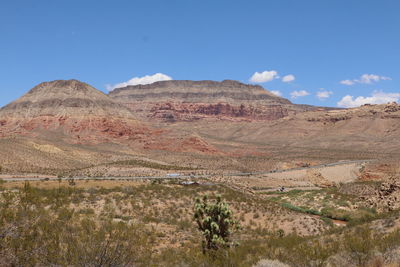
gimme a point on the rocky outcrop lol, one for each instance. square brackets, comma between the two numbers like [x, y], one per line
[193, 111]
[186, 144]
[367, 111]
[391, 107]
[386, 198]
[316, 178]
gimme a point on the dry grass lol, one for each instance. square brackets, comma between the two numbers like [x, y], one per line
[164, 214]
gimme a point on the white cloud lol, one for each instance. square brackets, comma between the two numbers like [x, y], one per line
[288, 78]
[276, 92]
[324, 94]
[347, 82]
[141, 80]
[377, 97]
[370, 78]
[266, 76]
[366, 79]
[296, 94]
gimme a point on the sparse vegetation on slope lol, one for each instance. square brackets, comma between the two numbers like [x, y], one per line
[328, 203]
[52, 223]
[149, 164]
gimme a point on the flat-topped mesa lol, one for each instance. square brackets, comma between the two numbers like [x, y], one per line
[227, 91]
[182, 100]
[190, 83]
[64, 98]
[204, 84]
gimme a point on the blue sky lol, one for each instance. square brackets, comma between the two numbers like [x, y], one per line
[104, 43]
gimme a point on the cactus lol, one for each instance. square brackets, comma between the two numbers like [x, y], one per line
[216, 223]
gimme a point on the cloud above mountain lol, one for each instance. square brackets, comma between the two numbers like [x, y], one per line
[323, 94]
[288, 78]
[265, 76]
[270, 75]
[377, 97]
[140, 80]
[301, 93]
[366, 79]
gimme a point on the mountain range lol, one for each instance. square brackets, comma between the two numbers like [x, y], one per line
[190, 121]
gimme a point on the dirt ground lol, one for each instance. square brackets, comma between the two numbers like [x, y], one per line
[306, 178]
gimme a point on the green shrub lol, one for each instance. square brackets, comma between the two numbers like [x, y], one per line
[360, 244]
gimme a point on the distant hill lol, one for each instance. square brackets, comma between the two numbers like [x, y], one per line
[70, 108]
[75, 112]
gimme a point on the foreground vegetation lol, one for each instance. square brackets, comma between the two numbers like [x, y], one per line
[152, 225]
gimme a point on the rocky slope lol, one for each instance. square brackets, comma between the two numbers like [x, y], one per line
[172, 101]
[60, 97]
[71, 108]
[369, 128]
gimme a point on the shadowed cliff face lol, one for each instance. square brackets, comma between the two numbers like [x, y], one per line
[171, 112]
[192, 100]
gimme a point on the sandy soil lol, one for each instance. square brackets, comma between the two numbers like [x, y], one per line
[337, 174]
[306, 178]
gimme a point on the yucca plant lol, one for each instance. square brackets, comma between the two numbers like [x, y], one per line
[216, 223]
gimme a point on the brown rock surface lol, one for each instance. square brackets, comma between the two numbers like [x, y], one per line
[386, 198]
[172, 112]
